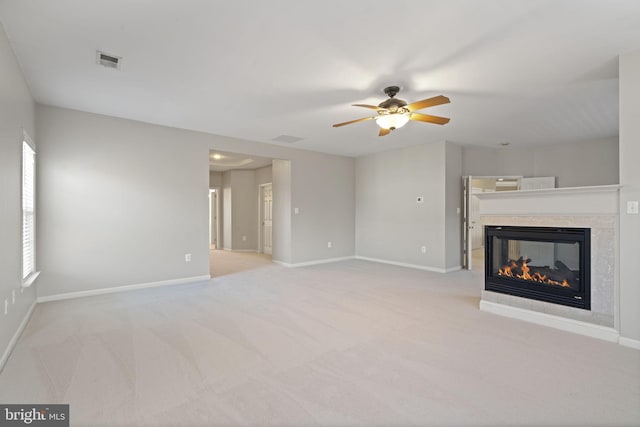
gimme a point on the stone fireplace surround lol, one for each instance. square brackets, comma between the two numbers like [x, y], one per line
[589, 207]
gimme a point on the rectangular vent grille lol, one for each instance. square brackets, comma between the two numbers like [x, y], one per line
[107, 60]
[288, 139]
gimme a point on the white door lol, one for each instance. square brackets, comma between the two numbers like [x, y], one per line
[467, 226]
[476, 230]
[267, 217]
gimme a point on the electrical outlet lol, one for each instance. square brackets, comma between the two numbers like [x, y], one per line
[420, 199]
[328, 244]
[187, 257]
[13, 296]
[424, 249]
[244, 238]
[632, 207]
[296, 211]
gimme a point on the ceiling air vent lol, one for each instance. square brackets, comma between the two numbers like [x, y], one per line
[107, 60]
[288, 139]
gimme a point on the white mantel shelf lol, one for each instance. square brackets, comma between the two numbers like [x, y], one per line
[545, 191]
[595, 200]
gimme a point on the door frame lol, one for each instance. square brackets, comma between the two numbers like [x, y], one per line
[260, 217]
[217, 212]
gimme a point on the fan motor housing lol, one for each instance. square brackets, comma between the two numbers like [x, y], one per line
[393, 104]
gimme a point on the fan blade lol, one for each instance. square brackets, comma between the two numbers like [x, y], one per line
[419, 105]
[384, 132]
[373, 107]
[429, 119]
[354, 121]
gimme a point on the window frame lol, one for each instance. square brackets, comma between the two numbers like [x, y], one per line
[31, 274]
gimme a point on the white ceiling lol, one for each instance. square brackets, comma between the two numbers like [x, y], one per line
[523, 71]
[221, 161]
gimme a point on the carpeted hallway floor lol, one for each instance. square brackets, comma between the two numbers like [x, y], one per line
[352, 343]
[223, 263]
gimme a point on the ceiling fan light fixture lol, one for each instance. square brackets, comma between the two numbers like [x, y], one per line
[392, 121]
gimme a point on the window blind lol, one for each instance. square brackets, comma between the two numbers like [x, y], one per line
[28, 211]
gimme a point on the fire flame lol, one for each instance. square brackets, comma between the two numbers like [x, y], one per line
[508, 271]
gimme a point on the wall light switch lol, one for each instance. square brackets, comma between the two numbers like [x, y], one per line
[296, 211]
[632, 207]
[328, 244]
[187, 257]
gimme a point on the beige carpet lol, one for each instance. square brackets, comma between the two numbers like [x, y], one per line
[345, 344]
[223, 263]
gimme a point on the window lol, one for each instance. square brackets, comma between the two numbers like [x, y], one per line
[28, 212]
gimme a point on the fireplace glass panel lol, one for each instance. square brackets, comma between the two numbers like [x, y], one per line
[552, 264]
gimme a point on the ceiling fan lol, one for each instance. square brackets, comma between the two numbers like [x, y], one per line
[395, 113]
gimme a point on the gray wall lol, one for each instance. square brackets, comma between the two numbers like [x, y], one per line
[264, 175]
[282, 211]
[390, 225]
[579, 164]
[16, 113]
[109, 219]
[575, 165]
[324, 192]
[241, 209]
[215, 179]
[630, 180]
[244, 210]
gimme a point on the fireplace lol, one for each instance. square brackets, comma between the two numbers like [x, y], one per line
[543, 263]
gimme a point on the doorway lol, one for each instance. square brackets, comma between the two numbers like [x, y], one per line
[472, 230]
[266, 218]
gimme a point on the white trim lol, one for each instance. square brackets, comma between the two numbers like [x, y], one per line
[404, 264]
[315, 262]
[240, 250]
[569, 325]
[102, 291]
[452, 269]
[16, 336]
[629, 342]
[561, 190]
[30, 279]
[261, 215]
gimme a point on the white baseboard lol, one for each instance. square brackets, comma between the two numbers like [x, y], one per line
[315, 262]
[239, 250]
[404, 264]
[629, 342]
[102, 291]
[557, 322]
[16, 336]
